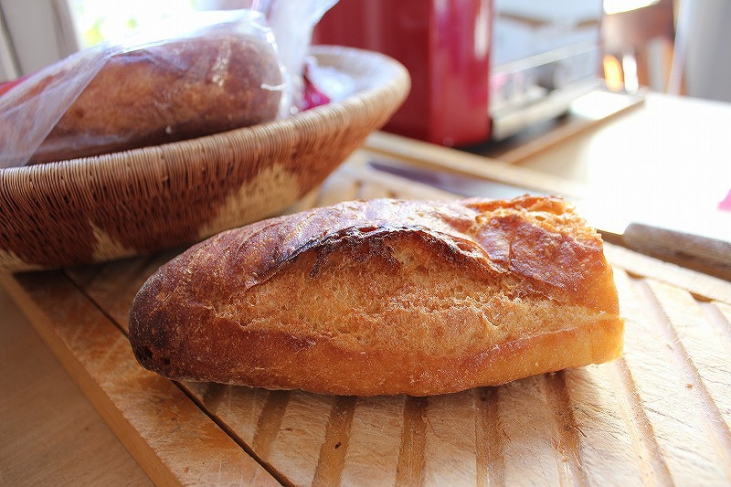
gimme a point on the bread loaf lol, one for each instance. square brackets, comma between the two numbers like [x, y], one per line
[384, 297]
[177, 90]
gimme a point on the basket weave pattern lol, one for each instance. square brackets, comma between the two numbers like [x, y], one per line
[139, 201]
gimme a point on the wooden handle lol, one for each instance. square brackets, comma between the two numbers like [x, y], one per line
[703, 253]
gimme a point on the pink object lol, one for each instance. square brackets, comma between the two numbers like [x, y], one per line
[725, 204]
[5, 87]
[312, 96]
[440, 44]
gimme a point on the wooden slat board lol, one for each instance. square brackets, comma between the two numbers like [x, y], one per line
[659, 415]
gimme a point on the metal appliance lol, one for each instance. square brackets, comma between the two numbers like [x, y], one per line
[481, 69]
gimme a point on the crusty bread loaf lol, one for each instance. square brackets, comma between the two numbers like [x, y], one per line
[384, 297]
[168, 92]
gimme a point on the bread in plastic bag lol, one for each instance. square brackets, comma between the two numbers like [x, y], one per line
[219, 72]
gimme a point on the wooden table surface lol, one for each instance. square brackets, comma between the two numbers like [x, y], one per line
[50, 432]
[665, 160]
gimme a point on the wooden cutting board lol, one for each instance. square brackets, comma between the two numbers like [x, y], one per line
[659, 415]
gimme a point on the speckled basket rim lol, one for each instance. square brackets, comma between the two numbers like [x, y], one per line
[139, 201]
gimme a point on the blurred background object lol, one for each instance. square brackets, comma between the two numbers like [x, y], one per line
[702, 59]
[668, 46]
[544, 56]
[540, 56]
[638, 41]
[34, 34]
[481, 69]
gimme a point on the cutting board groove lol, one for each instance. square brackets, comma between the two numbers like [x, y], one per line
[659, 415]
[331, 459]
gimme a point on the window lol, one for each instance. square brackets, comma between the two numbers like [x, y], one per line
[34, 34]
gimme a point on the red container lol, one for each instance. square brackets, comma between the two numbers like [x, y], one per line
[444, 44]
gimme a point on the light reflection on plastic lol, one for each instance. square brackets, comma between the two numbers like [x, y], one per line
[619, 6]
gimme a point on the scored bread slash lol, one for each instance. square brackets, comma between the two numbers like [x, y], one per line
[385, 297]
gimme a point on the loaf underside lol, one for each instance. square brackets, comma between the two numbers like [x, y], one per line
[371, 311]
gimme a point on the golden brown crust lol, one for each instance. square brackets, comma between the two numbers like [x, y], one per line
[384, 297]
[169, 92]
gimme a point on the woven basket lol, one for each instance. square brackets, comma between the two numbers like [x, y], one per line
[140, 201]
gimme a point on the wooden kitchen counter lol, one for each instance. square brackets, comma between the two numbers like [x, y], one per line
[661, 414]
[50, 434]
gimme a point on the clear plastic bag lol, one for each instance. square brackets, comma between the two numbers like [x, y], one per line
[292, 22]
[186, 79]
